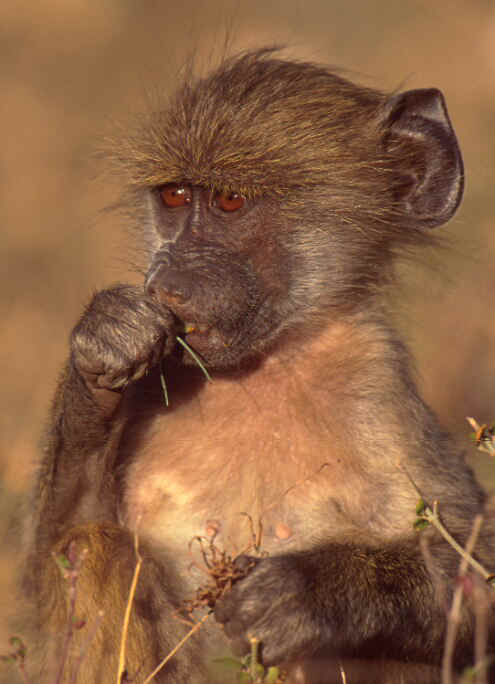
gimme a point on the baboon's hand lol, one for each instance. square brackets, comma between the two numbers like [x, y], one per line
[121, 335]
[272, 603]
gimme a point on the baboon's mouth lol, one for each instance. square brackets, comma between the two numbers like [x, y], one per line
[196, 328]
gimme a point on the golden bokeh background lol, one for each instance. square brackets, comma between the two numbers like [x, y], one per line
[70, 68]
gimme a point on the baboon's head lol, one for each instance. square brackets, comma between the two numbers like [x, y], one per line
[274, 193]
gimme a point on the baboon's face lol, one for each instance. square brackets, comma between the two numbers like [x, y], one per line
[278, 194]
[220, 268]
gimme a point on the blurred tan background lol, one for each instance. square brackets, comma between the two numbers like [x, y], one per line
[68, 68]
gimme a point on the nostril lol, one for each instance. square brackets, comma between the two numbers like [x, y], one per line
[168, 297]
[167, 286]
[150, 289]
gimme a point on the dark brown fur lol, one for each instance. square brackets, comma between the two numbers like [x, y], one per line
[312, 426]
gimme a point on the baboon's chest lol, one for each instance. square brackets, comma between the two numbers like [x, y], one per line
[233, 472]
[280, 470]
[241, 489]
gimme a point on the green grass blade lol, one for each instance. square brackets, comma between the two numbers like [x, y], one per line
[195, 357]
[164, 386]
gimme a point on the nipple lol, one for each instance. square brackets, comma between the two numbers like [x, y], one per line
[212, 527]
[283, 531]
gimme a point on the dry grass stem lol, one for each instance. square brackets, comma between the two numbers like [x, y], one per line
[454, 616]
[176, 648]
[253, 664]
[342, 673]
[481, 609]
[128, 608]
[433, 517]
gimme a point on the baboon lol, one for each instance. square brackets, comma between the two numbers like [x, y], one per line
[273, 198]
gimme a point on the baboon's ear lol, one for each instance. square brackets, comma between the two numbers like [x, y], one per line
[431, 170]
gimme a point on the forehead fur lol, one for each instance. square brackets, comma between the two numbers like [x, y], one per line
[260, 125]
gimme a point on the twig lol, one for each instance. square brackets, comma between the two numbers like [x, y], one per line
[176, 648]
[454, 616]
[481, 631]
[484, 436]
[342, 673]
[253, 663]
[433, 517]
[127, 615]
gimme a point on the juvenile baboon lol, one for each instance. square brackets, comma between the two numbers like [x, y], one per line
[273, 197]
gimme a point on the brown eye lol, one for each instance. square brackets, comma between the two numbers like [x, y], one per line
[175, 195]
[229, 201]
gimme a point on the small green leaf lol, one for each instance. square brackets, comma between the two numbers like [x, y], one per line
[229, 664]
[420, 507]
[420, 524]
[63, 562]
[17, 642]
[272, 675]
[468, 674]
[259, 670]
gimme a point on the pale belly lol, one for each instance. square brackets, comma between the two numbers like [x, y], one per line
[258, 492]
[238, 512]
[253, 476]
